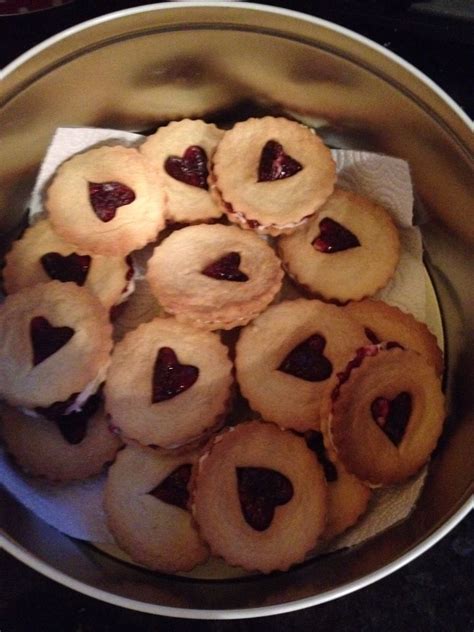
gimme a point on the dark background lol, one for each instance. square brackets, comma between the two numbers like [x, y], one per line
[434, 592]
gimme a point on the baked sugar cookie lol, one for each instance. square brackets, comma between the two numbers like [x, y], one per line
[259, 497]
[107, 200]
[214, 277]
[146, 503]
[386, 414]
[181, 152]
[55, 344]
[272, 174]
[41, 256]
[70, 448]
[168, 384]
[384, 322]
[290, 355]
[348, 251]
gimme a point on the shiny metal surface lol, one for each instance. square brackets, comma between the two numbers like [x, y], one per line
[225, 61]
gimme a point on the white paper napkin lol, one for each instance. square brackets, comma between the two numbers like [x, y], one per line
[76, 509]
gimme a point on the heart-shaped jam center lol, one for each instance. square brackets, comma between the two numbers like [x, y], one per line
[174, 488]
[73, 426]
[170, 377]
[46, 339]
[392, 415]
[315, 442]
[261, 490]
[107, 197]
[334, 237]
[307, 360]
[275, 164]
[226, 269]
[72, 267]
[191, 168]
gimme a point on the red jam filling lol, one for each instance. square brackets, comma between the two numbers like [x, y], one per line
[107, 197]
[275, 164]
[46, 339]
[170, 377]
[392, 415]
[261, 490]
[314, 441]
[333, 237]
[73, 426]
[174, 488]
[191, 168]
[62, 268]
[226, 269]
[307, 361]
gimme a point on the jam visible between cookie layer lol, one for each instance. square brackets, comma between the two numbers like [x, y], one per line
[191, 168]
[392, 415]
[333, 237]
[63, 268]
[226, 269]
[307, 361]
[107, 197]
[174, 488]
[170, 377]
[275, 164]
[46, 339]
[261, 490]
[73, 426]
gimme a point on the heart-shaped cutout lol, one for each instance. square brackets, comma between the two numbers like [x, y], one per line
[315, 442]
[307, 360]
[226, 269]
[46, 339]
[174, 488]
[107, 197]
[275, 164]
[334, 237]
[392, 415]
[73, 426]
[191, 168]
[170, 377]
[72, 267]
[261, 490]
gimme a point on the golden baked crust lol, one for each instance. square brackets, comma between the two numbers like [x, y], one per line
[153, 532]
[352, 273]
[185, 203]
[106, 276]
[356, 433]
[281, 397]
[296, 524]
[388, 323]
[41, 449]
[68, 202]
[71, 368]
[179, 419]
[175, 274]
[273, 205]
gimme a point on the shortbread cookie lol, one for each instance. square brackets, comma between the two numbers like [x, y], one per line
[107, 201]
[386, 414]
[290, 355]
[146, 503]
[259, 497]
[55, 344]
[41, 256]
[272, 174]
[168, 383]
[347, 496]
[384, 322]
[181, 151]
[215, 277]
[70, 448]
[348, 251]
